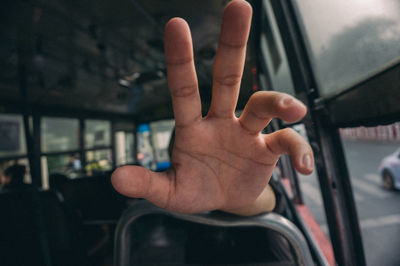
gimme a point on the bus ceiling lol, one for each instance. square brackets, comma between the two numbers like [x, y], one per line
[87, 57]
[102, 56]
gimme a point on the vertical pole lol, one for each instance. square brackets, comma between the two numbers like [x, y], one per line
[113, 146]
[135, 144]
[32, 132]
[36, 150]
[82, 143]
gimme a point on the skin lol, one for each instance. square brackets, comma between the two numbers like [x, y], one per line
[4, 180]
[218, 161]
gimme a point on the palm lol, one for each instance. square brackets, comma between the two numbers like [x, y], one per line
[220, 161]
[219, 165]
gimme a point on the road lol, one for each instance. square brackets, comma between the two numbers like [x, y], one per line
[378, 209]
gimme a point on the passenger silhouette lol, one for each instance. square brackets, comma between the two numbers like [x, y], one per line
[13, 177]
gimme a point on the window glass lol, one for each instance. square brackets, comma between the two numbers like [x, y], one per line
[273, 52]
[63, 164]
[129, 148]
[98, 161]
[375, 175]
[161, 132]
[124, 147]
[145, 156]
[12, 136]
[351, 39]
[97, 133]
[59, 134]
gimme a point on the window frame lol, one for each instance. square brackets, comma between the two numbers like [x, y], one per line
[81, 115]
[324, 138]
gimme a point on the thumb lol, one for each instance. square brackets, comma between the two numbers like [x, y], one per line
[139, 182]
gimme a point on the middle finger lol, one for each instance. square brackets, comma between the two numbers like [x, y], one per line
[230, 57]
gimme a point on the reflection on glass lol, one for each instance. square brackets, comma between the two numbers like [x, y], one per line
[12, 137]
[97, 133]
[374, 166]
[98, 161]
[273, 52]
[59, 134]
[124, 148]
[64, 164]
[145, 155]
[130, 144]
[351, 39]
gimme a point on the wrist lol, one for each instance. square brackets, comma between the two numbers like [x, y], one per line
[265, 202]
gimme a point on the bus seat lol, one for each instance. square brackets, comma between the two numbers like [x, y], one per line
[93, 197]
[36, 229]
[148, 235]
[62, 229]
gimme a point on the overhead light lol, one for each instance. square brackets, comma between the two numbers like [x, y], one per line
[127, 80]
[124, 82]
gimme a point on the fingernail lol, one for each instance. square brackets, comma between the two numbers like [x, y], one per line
[307, 163]
[286, 101]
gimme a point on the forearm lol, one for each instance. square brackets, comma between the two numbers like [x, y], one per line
[265, 202]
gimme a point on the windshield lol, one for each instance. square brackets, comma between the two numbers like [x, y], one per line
[350, 40]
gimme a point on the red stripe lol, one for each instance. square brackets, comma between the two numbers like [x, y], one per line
[319, 236]
[316, 232]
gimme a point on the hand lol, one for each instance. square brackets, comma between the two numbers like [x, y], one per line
[218, 161]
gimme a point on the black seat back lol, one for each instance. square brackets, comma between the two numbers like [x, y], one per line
[94, 198]
[147, 235]
[21, 240]
[62, 230]
[37, 229]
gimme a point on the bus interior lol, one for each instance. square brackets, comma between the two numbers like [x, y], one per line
[83, 90]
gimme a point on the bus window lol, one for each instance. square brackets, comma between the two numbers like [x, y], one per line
[353, 51]
[98, 140]
[13, 144]
[68, 164]
[98, 161]
[145, 154]
[304, 190]
[124, 142]
[12, 137]
[124, 147]
[59, 134]
[161, 132]
[350, 40]
[372, 155]
[60, 148]
[129, 147]
[97, 133]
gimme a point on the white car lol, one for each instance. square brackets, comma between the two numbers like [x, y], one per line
[390, 170]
